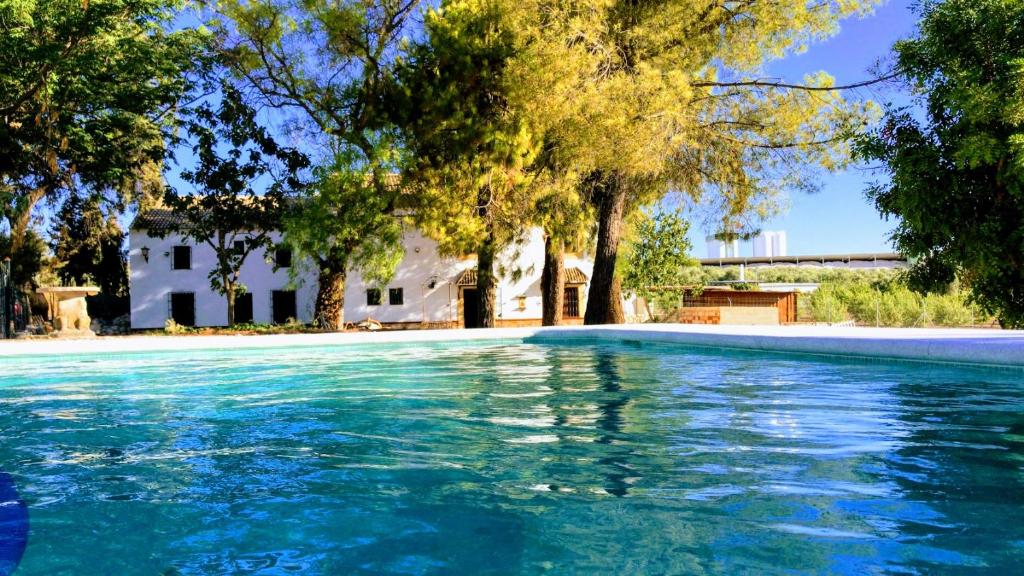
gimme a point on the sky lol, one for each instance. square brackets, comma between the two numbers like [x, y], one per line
[839, 219]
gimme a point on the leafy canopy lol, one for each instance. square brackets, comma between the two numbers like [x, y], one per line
[672, 95]
[87, 95]
[956, 175]
[469, 150]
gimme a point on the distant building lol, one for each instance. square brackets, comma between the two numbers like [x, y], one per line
[770, 244]
[722, 249]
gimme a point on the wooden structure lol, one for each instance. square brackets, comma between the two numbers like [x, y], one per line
[716, 306]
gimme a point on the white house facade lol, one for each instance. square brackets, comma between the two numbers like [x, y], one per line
[170, 280]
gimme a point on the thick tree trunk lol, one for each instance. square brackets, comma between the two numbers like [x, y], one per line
[552, 282]
[604, 301]
[330, 297]
[486, 287]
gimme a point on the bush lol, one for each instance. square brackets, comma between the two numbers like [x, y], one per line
[172, 327]
[826, 305]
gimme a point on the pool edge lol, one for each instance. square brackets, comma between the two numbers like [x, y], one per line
[974, 347]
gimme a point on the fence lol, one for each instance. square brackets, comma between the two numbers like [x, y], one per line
[14, 306]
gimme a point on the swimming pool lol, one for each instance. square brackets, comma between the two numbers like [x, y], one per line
[511, 458]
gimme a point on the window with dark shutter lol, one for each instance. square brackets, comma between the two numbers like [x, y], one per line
[396, 297]
[283, 258]
[373, 297]
[182, 258]
[239, 246]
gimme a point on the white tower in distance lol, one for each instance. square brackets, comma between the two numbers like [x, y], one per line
[770, 244]
[721, 249]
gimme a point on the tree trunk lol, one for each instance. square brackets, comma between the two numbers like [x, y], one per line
[20, 220]
[486, 287]
[552, 282]
[229, 292]
[604, 301]
[330, 296]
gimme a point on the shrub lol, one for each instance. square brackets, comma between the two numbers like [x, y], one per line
[172, 327]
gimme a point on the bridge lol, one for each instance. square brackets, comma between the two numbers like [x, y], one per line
[866, 260]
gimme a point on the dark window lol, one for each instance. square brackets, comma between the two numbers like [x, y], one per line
[183, 308]
[396, 297]
[571, 302]
[243, 308]
[283, 258]
[284, 308]
[373, 297]
[182, 258]
[471, 308]
[239, 246]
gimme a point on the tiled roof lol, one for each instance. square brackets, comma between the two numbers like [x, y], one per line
[573, 276]
[159, 219]
[467, 278]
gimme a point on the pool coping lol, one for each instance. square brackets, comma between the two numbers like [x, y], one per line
[982, 347]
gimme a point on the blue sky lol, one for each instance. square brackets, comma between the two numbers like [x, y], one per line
[839, 219]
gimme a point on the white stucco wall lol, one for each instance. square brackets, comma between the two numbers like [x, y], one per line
[151, 284]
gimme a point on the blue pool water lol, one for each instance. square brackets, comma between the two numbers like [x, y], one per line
[511, 458]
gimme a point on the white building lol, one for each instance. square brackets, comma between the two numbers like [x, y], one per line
[722, 249]
[169, 280]
[770, 244]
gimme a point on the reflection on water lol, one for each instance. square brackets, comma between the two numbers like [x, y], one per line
[513, 459]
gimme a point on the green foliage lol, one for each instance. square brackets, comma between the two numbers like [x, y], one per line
[888, 303]
[469, 150]
[673, 96]
[346, 220]
[29, 261]
[88, 246]
[87, 93]
[173, 328]
[654, 263]
[826, 305]
[791, 274]
[956, 177]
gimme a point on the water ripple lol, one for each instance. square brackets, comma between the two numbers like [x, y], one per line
[513, 458]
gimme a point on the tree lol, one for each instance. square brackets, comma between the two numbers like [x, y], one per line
[87, 93]
[647, 97]
[469, 153]
[656, 260]
[241, 181]
[88, 246]
[956, 171]
[28, 260]
[342, 224]
[329, 65]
